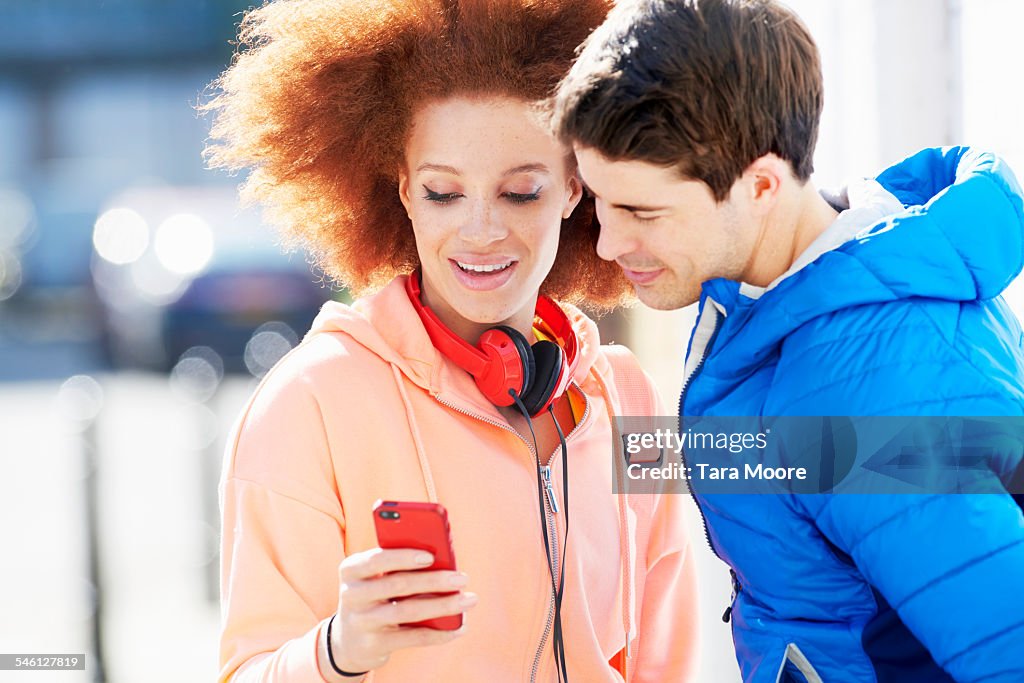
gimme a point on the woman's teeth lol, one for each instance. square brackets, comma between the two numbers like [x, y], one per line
[483, 269]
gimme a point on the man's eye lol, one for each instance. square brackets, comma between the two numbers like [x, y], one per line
[439, 197]
[644, 219]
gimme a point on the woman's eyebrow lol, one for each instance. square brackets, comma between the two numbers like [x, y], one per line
[439, 167]
[527, 168]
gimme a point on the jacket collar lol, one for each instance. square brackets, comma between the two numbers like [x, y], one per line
[944, 224]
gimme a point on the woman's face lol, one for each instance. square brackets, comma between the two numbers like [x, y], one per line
[486, 188]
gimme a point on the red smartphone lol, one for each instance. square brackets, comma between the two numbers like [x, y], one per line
[423, 526]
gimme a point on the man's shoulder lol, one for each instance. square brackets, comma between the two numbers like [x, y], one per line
[888, 329]
[901, 355]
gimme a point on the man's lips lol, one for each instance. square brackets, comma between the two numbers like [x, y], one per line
[641, 277]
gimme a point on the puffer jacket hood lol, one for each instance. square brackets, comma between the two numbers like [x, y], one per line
[965, 205]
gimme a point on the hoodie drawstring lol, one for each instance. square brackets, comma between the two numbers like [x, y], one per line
[428, 475]
[625, 536]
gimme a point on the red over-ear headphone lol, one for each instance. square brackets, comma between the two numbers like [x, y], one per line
[503, 361]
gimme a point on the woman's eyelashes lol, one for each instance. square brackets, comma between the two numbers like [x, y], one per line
[523, 198]
[440, 197]
[449, 197]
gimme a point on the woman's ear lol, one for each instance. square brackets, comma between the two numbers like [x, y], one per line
[574, 193]
[403, 191]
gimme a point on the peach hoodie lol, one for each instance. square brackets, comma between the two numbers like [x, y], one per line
[366, 408]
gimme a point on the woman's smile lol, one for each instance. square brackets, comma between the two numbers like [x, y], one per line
[483, 274]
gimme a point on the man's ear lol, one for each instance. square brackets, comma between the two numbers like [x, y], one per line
[763, 181]
[403, 191]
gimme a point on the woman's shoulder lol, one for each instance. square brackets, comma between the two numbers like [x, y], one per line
[610, 364]
[285, 433]
[324, 370]
[635, 391]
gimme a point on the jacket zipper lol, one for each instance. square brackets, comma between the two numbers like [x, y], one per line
[682, 400]
[736, 587]
[549, 512]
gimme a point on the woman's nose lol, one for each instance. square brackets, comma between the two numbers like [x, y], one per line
[483, 226]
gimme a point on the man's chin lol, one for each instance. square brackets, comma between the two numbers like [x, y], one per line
[661, 300]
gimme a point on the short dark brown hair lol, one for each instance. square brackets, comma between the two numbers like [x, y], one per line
[318, 104]
[703, 86]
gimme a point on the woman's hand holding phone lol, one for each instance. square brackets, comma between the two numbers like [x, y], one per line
[384, 593]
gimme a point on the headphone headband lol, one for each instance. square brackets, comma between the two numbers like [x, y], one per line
[556, 325]
[443, 339]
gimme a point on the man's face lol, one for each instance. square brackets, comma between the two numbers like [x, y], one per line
[667, 233]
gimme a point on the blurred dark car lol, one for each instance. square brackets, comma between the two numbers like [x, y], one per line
[227, 308]
[184, 268]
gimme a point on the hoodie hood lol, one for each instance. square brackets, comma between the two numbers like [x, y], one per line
[387, 324]
[954, 231]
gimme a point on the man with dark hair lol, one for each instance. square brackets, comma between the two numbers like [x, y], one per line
[694, 123]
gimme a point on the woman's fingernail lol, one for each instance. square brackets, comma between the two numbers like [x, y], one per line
[468, 599]
[425, 558]
[458, 580]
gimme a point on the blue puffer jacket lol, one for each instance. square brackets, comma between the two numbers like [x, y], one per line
[905, 318]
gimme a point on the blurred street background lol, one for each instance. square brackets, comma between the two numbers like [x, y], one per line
[139, 305]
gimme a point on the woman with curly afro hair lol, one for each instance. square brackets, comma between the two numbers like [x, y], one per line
[400, 143]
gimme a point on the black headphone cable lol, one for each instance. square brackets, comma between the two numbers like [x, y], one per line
[558, 643]
[559, 639]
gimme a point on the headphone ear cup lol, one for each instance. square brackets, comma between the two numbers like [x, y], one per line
[525, 354]
[510, 365]
[550, 360]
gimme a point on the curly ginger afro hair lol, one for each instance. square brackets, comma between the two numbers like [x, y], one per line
[318, 104]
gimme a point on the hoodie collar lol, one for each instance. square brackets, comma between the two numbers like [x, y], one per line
[387, 324]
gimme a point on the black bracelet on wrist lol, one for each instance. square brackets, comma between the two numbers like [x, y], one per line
[330, 655]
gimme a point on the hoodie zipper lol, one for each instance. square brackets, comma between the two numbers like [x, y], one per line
[549, 512]
[553, 561]
[682, 400]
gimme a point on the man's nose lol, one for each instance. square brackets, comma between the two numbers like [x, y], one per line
[614, 239]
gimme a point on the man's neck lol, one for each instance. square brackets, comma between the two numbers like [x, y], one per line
[787, 233]
[815, 216]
